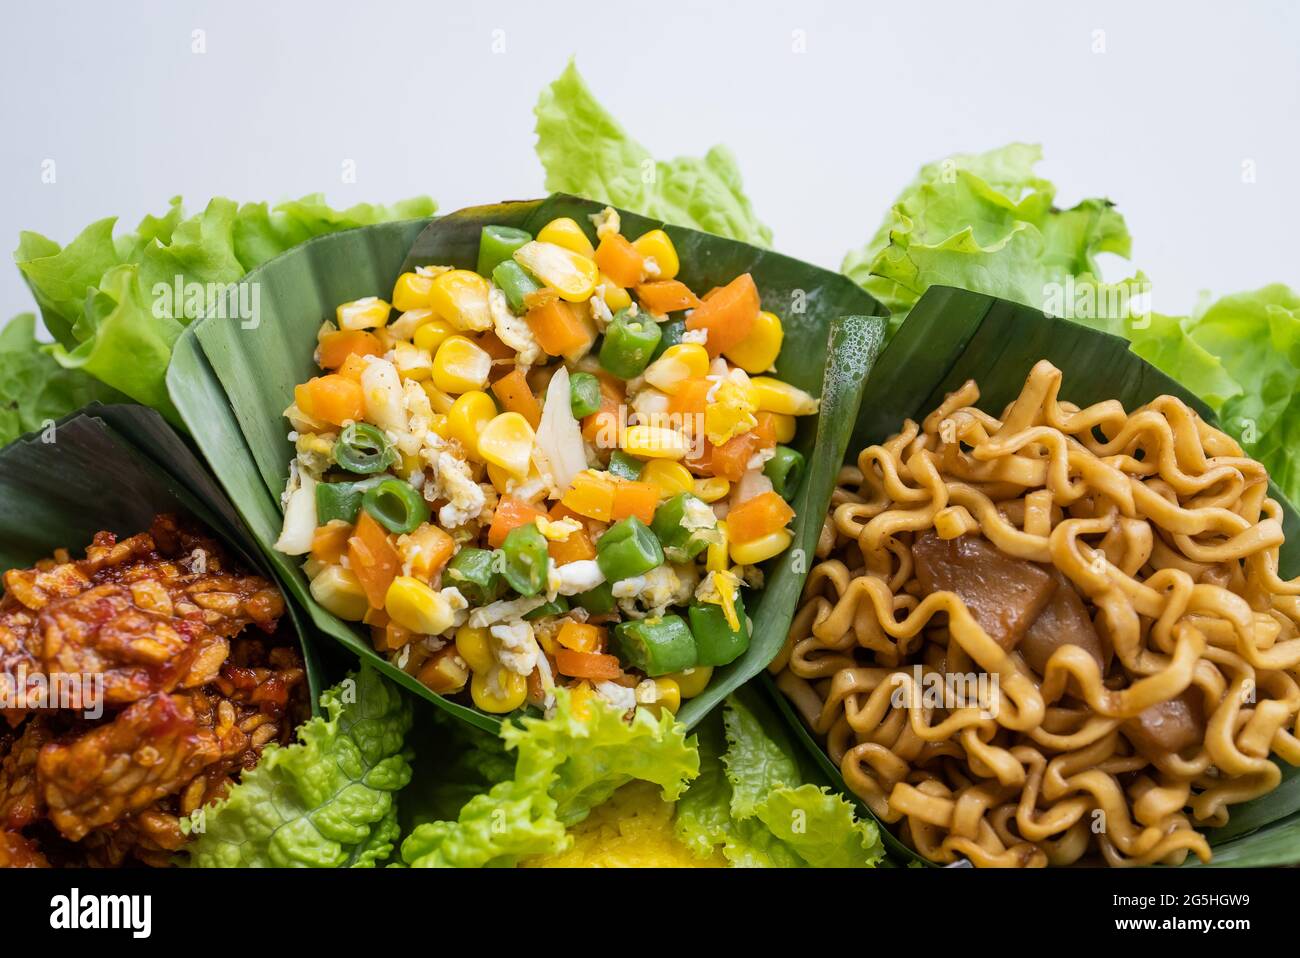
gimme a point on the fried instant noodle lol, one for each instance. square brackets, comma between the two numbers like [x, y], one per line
[1112, 576]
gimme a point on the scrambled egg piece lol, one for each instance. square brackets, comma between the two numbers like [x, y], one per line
[315, 452]
[513, 330]
[729, 414]
[558, 530]
[634, 829]
[451, 480]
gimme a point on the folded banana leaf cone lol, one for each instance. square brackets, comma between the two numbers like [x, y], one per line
[954, 335]
[232, 381]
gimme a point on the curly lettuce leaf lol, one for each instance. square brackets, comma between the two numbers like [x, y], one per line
[587, 152]
[751, 802]
[34, 389]
[111, 304]
[327, 801]
[986, 222]
[1255, 337]
[565, 766]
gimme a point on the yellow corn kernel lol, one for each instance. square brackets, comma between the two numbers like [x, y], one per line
[565, 232]
[692, 681]
[368, 313]
[498, 691]
[475, 647]
[772, 395]
[655, 442]
[785, 426]
[715, 557]
[757, 352]
[677, 364]
[339, 591]
[460, 365]
[445, 673]
[412, 362]
[668, 695]
[762, 548]
[668, 477]
[431, 334]
[546, 639]
[439, 401]
[438, 422]
[570, 274]
[408, 464]
[580, 697]
[461, 298]
[507, 441]
[711, 488]
[500, 478]
[616, 297]
[411, 291]
[725, 584]
[591, 494]
[403, 327]
[657, 246]
[469, 414]
[413, 605]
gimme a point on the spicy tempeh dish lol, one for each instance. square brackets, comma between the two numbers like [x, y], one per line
[133, 695]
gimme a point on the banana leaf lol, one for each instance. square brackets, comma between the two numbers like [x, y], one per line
[953, 335]
[231, 384]
[114, 468]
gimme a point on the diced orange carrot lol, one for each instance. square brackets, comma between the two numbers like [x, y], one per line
[582, 636]
[428, 548]
[536, 692]
[334, 399]
[635, 499]
[510, 514]
[558, 327]
[591, 496]
[576, 547]
[540, 297]
[491, 344]
[329, 543]
[560, 511]
[337, 346]
[373, 559]
[620, 260]
[731, 459]
[666, 296]
[587, 665]
[699, 458]
[765, 430]
[390, 636]
[607, 421]
[691, 398]
[728, 314]
[515, 395]
[754, 518]
[353, 367]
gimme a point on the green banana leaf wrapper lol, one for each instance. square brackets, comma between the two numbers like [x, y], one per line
[953, 335]
[114, 467]
[231, 382]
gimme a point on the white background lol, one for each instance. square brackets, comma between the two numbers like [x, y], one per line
[1161, 122]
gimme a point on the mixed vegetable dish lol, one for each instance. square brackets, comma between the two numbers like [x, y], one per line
[563, 467]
